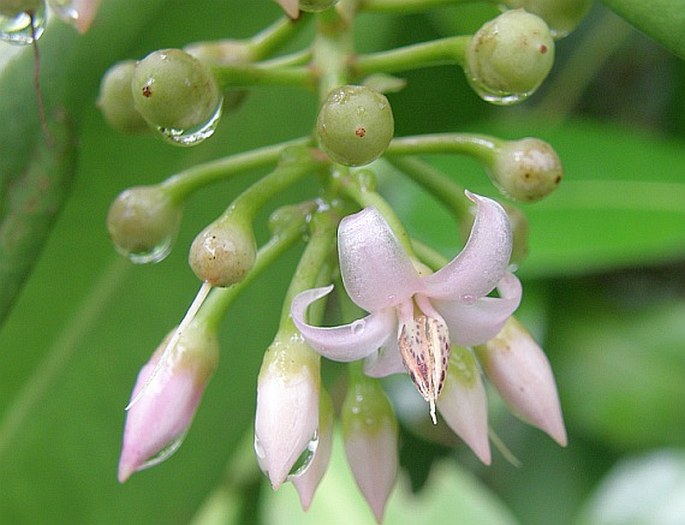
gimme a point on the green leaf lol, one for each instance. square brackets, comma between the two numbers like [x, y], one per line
[663, 20]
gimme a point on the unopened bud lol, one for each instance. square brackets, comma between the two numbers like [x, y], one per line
[526, 170]
[520, 371]
[223, 252]
[158, 421]
[370, 436]
[116, 100]
[509, 57]
[463, 403]
[287, 415]
[143, 222]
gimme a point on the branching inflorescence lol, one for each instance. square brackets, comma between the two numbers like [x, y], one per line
[445, 323]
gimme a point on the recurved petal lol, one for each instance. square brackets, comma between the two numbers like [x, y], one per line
[475, 322]
[346, 342]
[463, 403]
[376, 271]
[481, 264]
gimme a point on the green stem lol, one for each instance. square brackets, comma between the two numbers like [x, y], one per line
[220, 299]
[404, 6]
[246, 205]
[481, 147]
[269, 40]
[313, 260]
[248, 75]
[436, 183]
[331, 49]
[181, 185]
[426, 54]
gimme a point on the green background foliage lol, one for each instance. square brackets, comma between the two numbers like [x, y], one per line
[604, 282]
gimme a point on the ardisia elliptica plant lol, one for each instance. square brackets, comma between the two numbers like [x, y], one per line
[447, 324]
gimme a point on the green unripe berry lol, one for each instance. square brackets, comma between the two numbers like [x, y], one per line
[173, 90]
[355, 125]
[143, 222]
[526, 169]
[314, 6]
[116, 100]
[12, 8]
[509, 57]
[223, 252]
[562, 16]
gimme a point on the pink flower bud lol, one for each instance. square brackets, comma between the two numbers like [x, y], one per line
[463, 403]
[520, 371]
[158, 420]
[287, 408]
[79, 13]
[291, 7]
[370, 436]
[307, 481]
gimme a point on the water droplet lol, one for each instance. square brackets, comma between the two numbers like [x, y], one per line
[497, 97]
[305, 458]
[17, 29]
[469, 298]
[156, 254]
[196, 135]
[358, 326]
[165, 453]
[259, 448]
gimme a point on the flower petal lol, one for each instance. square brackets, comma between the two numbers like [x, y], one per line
[376, 271]
[476, 323]
[386, 361]
[481, 264]
[346, 342]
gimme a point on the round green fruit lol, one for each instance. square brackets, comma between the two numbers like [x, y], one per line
[355, 125]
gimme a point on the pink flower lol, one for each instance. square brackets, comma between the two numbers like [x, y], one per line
[415, 319]
[157, 422]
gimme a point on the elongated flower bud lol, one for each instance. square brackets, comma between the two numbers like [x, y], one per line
[371, 444]
[158, 421]
[463, 403]
[287, 408]
[520, 371]
[307, 481]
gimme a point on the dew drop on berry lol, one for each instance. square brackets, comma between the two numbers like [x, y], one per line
[196, 135]
[16, 29]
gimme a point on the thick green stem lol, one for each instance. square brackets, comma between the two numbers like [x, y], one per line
[331, 49]
[315, 258]
[438, 52]
[181, 185]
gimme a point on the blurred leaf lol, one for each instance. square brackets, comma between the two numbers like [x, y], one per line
[663, 20]
[620, 368]
[645, 490]
[450, 492]
[622, 201]
[31, 202]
